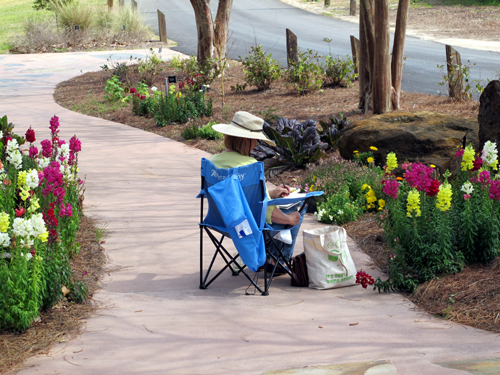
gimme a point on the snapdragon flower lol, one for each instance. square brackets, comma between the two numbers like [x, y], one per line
[490, 155]
[444, 197]
[4, 240]
[34, 204]
[4, 222]
[467, 188]
[43, 162]
[22, 227]
[391, 188]
[468, 158]
[38, 225]
[413, 204]
[32, 180]
[392, 162]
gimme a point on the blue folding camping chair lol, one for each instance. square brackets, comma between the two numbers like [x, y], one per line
[237, 206]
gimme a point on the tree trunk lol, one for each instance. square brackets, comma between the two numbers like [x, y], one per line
[398, 50]
[205, 28]
[365, 58]
[221, 27]
[381, 82]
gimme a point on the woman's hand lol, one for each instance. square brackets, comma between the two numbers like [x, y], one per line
[279, 217]
[279, 191]
[294, 218]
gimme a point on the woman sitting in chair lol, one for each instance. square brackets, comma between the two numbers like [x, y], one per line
[240, 139]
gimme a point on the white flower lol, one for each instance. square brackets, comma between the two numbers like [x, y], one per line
[43, 162]
[1, 134]
[32, 179]
[22, 227]
[341, 212]
[12, 146]
[4, 240]
[37, 225]
[28, 256]
[64, 151]
[467, 188]
[154, 88]
[331, 218]
[490, 154]
[15, 158]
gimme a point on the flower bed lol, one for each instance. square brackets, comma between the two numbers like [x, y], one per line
[437, 224]
[40, 208]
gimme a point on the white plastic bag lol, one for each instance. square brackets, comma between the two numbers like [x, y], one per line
[328, 260]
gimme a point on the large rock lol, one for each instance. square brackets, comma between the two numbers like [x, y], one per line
[489, 114]
[429, 137]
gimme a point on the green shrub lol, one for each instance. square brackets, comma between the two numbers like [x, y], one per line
[149, 67]
[178, 108]
[306, 74]
[338, 71]
[206, 132]
[260, 69]
[200, 74]
[70, 14]
[339, 209]
[113, 89]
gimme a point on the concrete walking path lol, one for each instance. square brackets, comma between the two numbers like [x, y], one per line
[157, 320]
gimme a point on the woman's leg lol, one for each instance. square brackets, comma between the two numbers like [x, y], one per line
[288, 248]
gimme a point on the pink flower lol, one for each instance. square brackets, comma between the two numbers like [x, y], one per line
[484, 177]
[30, 135]
[74, 144]
[33, 152]
[460, 152]
[419, 176]
[46, 148]
[495, 190]
[54, 125]
[391, 188]
[66, 210]
[467, 196]
[19, 212]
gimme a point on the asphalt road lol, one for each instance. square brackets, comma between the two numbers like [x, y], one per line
[265, 22]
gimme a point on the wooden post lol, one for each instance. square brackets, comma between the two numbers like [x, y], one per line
[354, 50]
[121, 3]
[291, 47]
[162, 26]
[134, 4]
[110, 5]
[381, 84]
[455, 77]
[352, 8]
[327, 3]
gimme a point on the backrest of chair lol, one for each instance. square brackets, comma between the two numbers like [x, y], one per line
[251, 178]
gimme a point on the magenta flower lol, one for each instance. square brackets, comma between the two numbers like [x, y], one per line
[54, 125]
[46, 148]
[460, 152]
[419, 176]
[477, 164]
[66, 210]
[495, 190]
[391, 188]
[33, 152]
[74, 144]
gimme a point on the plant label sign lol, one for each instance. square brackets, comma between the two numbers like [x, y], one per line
[77, 27]
[172, 79]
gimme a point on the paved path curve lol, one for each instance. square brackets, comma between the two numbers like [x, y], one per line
[157, 321]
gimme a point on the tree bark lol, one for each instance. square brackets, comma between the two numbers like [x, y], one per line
[221, 27]
[205, 29]
[365, 58]
[398, 50]
[381, 82]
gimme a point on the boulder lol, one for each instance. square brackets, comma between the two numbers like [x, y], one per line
[489, 114]
[431, 138]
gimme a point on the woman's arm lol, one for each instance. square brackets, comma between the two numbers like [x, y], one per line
[278, 217]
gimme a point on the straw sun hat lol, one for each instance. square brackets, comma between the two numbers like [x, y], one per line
[244, 125]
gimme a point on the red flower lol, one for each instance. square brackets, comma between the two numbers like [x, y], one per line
[478, 163]
[364, 279]
[30, 135]
[19, 212]
[143, 97]
[181, 85]
[433, 189]
[133, 90]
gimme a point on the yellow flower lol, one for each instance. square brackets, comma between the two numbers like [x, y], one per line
[24, 194]
[355, 152]
[373, 148]
[433, 166]
[21, 179]
[381, 204]
[43, 237]
[413, 203]
[314, 178]
[468, 158]
[365, 186]
[392, 162]
[4, 222]
[444, 197]
[369, 160]
[311, 188]
[34, 204]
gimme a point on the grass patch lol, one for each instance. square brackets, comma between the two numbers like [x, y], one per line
[93, 107]
[14, 12]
